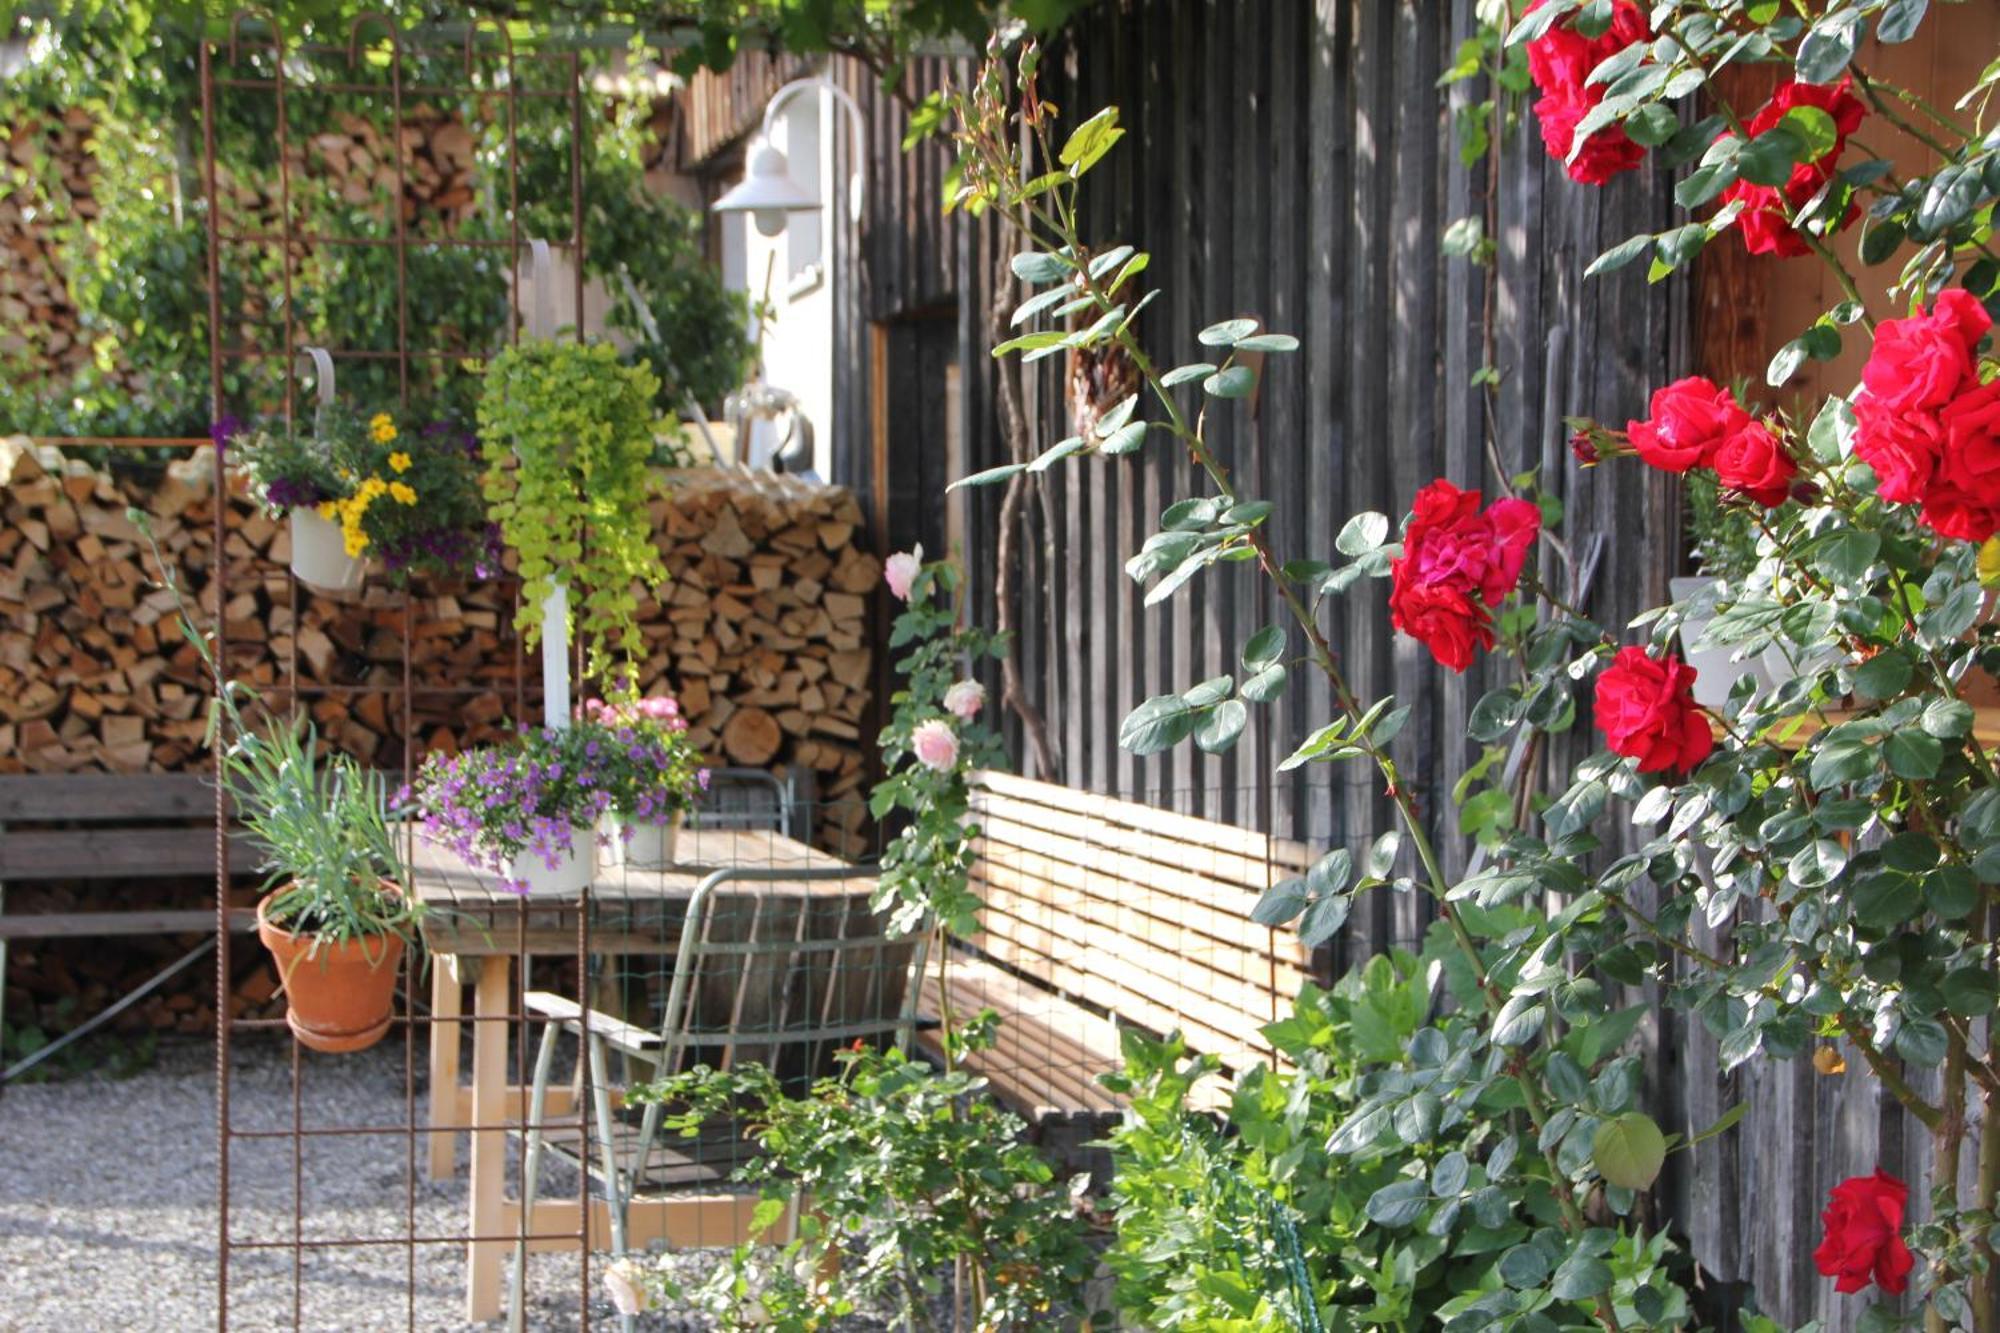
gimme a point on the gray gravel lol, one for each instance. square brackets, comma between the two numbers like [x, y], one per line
[108, 1205]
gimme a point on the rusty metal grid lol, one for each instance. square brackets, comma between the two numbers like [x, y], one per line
[255, 33]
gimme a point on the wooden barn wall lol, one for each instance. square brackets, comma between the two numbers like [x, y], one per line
[1290, 160]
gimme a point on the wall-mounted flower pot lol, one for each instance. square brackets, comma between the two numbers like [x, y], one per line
[319, 555]
[1715, 673]
[339, 997]
[641, 846]
[569, 876]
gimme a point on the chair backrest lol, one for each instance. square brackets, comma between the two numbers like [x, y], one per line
[778, 965]
[1139, 912]
[752, 798]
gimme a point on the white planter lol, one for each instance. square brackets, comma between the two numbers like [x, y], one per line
[649, 847]
[319, 555]
[1781, 663]
[1715, 674]
[572, 872]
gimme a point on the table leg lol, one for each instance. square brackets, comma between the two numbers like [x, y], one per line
[447, 1003]
[488, 1193]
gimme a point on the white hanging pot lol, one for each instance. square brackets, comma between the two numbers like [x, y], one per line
[319, 554]
[640, 846]
[1715, 674]
[571, 873]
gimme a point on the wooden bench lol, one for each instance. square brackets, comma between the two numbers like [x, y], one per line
[108, 826]
[1103, 914]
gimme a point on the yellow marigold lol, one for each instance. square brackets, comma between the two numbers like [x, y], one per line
[356, 542]
[399, 461]
[382, 428]
[403, 494]
[328, 508]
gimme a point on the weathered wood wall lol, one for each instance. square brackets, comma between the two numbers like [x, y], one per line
[1292, 160]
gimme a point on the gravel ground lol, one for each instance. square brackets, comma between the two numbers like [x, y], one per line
[108, 1207]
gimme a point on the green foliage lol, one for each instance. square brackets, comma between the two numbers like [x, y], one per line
[893, 1174]
[1384, 1162]
[568, 434]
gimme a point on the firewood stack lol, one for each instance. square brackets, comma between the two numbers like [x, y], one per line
[356, 162]
[38, 320]
[763, 632]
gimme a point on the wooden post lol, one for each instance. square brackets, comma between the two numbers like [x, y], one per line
[490, 1107]
[447, 1003]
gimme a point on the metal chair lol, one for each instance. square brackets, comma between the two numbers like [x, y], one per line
[767, 969]
[756, 798]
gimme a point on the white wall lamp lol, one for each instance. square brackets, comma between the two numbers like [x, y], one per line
[767, 191]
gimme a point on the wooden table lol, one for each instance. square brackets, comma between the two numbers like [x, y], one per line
[476, 931]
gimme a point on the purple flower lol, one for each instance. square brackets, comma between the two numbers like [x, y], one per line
[224, 430]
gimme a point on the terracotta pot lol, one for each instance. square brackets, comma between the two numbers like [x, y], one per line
[341, 997]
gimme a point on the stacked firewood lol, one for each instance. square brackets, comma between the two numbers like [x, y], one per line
[357, 162]
[38, 320]
[763, 631]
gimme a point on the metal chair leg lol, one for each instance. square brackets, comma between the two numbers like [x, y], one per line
[600, 1097]
[531, 1175]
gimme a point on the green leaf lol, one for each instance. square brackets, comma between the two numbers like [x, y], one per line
[1829, 46]
[1090, 141]
[1900, 20]
[1324, 919]
[1629, 1150]
[1160, 723]
[989, 476]
[1914, 755]
[1922, 1041]
[1785, 363]
[1037, 303]
[1264, 647]
[1265, 685]
[1209, 692]
[1180, 375]
[1231, 382]
[1223, 726]
[1580, 1278]
[1226, 334]
[1815, 130]
[1362, 534]
[1280, 903]
[1056, 453]
[1124, 440]
[1039, 268]
[1621, 254]
[1268, 342]
[1399, 1203]
[1524, 1267]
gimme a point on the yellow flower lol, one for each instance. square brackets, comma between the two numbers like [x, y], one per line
[382, 428]
[403, 494]
[357, 542]
[328, 508]
[399, 461]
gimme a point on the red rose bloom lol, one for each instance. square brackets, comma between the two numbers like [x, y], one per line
[1863, 1220]
[1764, 223]
[1753, 462]
[1964, 500]
[1902, 445]
[1690, 420]
[1560, 62]
[1646, 710]
[1925, 360]
[1457, 565]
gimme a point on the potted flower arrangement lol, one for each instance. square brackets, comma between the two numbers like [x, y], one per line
[296, 476]
[336, 921]
[527, 810]
[415, 502]
[568, 434]
[655, 775]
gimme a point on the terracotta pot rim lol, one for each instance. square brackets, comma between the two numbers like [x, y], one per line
[265, 923]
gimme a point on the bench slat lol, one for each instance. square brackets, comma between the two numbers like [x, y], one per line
[146, 853]
[101, 798]
[87, 925]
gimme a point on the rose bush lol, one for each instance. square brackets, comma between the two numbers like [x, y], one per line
[1808, 868]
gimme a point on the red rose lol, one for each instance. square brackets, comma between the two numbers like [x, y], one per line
[1690, 420]
[1443, 619]
[1902, 445]
[1863, 1220]
[1646, 710]
[1753, 462]
[1964, 499]
[1765, 221]
[1924, 361]
[1457, 565]
[1560, 62]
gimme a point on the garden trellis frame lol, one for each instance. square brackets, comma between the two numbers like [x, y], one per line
[377, 50]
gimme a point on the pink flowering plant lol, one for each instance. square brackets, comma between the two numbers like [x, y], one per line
[654, 772]
[934, 739]
[1810, 868]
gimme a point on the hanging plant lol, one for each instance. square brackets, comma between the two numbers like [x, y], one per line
[567, 433]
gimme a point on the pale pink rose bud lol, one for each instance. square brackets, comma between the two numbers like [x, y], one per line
[935, 743]
[964, 700]
[624, 1283]
[900, 571]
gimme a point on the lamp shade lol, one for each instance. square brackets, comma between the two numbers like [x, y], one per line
[767, 191]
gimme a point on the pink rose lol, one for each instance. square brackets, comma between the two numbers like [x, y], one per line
[900, 571]
[935, 744]
[964, 700]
